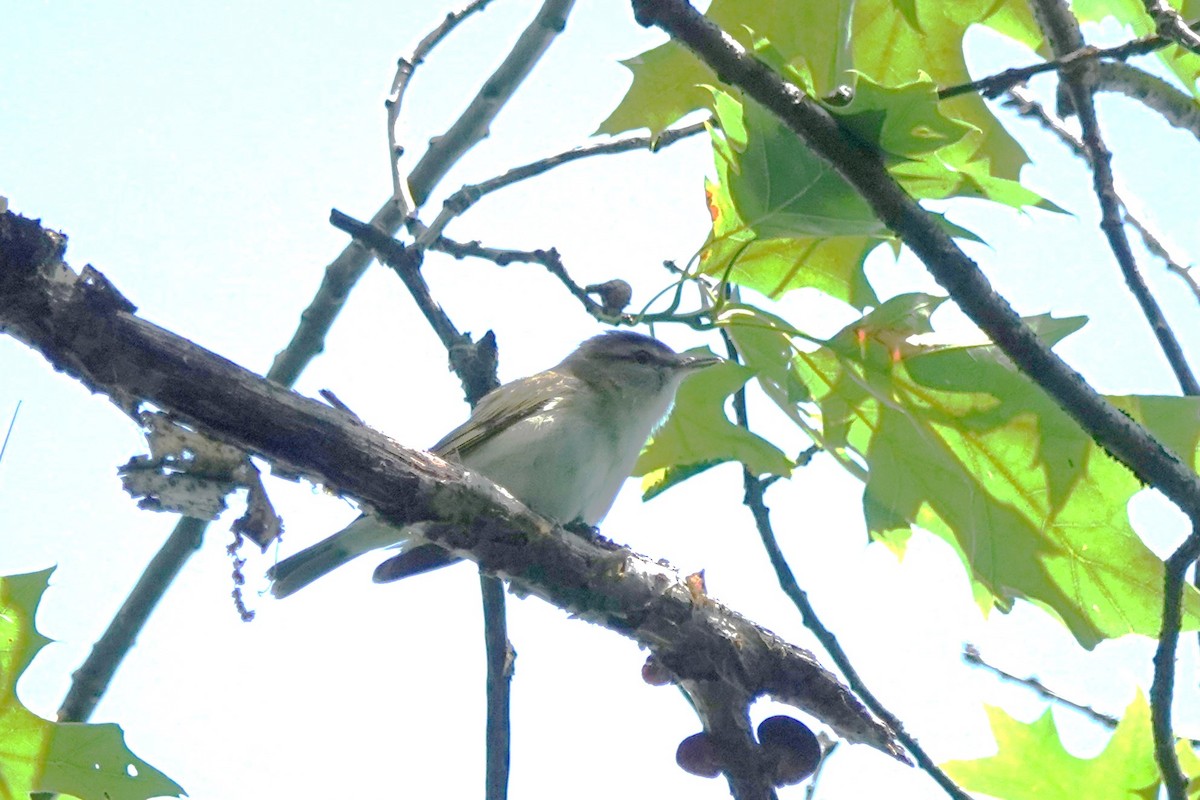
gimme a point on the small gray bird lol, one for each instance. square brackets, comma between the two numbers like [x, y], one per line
[562, 442]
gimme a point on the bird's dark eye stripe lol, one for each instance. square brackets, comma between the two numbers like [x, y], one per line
[640, 356]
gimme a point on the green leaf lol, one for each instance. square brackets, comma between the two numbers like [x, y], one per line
[698, 434]
[36, 755]
[784, 219]
[894, 42]
[955, 440]
[668, 83]
[902, 120]
[774, 267]
[781, 188]
[1032, 764]
[765, 344]
[666, 79]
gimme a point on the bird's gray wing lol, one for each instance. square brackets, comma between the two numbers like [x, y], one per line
[498, 411]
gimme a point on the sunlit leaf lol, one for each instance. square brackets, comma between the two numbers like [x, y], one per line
[699, 434]
[886, 45]
[81, 760]
[953, 439]
[1031, 762]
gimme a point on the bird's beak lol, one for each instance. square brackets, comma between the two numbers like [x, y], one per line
[693, 363]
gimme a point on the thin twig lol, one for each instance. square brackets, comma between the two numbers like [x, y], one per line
[472, 126]
[1058, 21]
[1162, 688]
[405, 68]
[1173, 264]
[458, 203]
[993, 85]
[552, 261]
[478, 377]
[811, 791]
[1060, 25]
[972, 656]
[500, 656]
[344, 272]
[12, 423]
[1026, 106]
[754, 499]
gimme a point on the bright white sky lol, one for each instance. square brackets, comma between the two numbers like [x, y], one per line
[192, 152]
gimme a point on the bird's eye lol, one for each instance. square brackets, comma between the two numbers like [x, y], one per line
[641, 357]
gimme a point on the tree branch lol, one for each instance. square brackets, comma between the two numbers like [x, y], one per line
[88, 331]
[1056, 18]
[500, 655]
[972, 656]
[91, 680]
[994, 85]
[1026, 106]
[472, 126]
[458, 203]
[12, 423]
[1162, 688]
[1062, 31]
[1177, 108]
[405, 68]
[754, 498]
[475, 365]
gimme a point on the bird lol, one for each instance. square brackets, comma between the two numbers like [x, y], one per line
[561, 441]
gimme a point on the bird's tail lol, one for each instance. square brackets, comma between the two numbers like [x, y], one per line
[363, 535]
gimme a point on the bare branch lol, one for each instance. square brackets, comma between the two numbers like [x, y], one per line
[475, 365]
[754, 498]
[471, 127]
[500, 656]
[344, 271]
[1162, 688]
[12, 423]
[405, 68]
[993, 85]
[458, 203]
[972, 656]
[1062, 30]
[1176, 108]
[1026, 106]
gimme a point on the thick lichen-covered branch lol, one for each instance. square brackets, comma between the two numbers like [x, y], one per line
[88, 331]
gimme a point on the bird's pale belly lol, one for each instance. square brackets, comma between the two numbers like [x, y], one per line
[549, 472]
